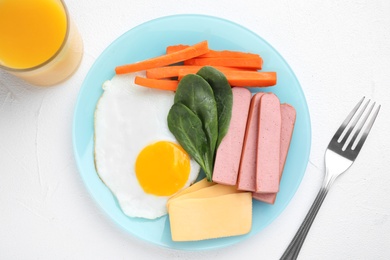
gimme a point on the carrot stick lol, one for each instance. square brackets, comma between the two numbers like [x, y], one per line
[239, 78]
[167, 59]
[157, 83]
[251, 78]
[173, 71]
[175, 48]
[249, 63]
[213, 53]
[228, 54]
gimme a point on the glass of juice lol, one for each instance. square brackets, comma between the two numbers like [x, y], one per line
[38, 41]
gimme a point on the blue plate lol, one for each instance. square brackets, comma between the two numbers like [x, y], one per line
[149, 40]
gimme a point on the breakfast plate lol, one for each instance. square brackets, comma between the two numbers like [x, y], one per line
[149, 40]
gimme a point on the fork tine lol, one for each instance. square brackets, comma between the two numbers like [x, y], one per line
[345, 123]
[366, 131]
[359, 128]
[352, 126]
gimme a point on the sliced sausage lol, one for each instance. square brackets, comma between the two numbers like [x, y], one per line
[247, 172]
[268, 144]
[228, 155]
[288, 116]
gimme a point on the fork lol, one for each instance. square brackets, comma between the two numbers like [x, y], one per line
[342, 151]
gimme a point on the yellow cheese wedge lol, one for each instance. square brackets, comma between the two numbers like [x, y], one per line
[206, 192]
[194, 187]
[194, 219]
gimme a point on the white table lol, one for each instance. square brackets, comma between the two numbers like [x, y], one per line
[339, 50]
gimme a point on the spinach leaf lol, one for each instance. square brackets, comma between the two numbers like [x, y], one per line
[186, 126]
[223, 96]
[195, 93]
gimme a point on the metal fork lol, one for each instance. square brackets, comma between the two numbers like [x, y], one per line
[339, 156]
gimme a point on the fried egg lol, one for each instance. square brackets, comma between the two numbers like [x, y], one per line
[136, 156]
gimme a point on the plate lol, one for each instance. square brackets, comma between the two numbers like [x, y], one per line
[150, 39]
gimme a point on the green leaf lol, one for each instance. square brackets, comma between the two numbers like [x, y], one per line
[196, 94]
[187, 127]
[223, 96]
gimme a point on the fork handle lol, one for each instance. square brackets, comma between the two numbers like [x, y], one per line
[295, 245]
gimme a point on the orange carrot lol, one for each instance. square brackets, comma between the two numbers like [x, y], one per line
[236, 78]
[173, 71]
[167, 59]
[175, 48]
[213, 53]
[157, 83]
[239, 78]
[248, 63]
[228, 54]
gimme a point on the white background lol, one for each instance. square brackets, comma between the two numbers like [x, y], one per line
[339, 50]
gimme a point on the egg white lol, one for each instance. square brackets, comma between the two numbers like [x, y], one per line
[129, 117]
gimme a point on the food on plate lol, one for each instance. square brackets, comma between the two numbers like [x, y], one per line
[211, 212]
[222, 58]
[244, 78]
[248, 63]
[157, 83]
[239, 68]
[188, 129]
[193, 120]
[235, 77]
[194, 187]
[268, 144]
[159, 77]
[223, 96]
[195, 93]
[214, 53]
[167, 59]
[167, 72]
[288, 115]
[136, 156]
[156, 126]
[228, 155]
[204, 192]
[247, 172]
[205, 99]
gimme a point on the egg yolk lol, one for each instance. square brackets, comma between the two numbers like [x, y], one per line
[162, 168]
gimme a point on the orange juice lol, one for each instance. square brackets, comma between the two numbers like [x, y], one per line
[38, 41]
[31, 31]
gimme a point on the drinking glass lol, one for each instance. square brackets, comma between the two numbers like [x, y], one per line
[39, 42]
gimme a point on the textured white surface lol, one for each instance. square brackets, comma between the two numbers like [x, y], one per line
[339, 51]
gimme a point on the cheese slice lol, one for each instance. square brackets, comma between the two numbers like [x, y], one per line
[194, 219]
[194, 187]
[206, 192]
